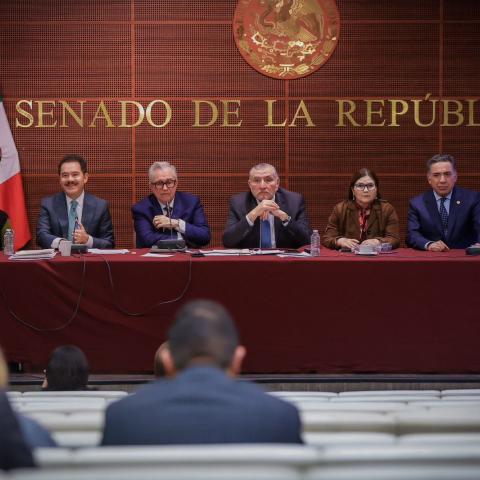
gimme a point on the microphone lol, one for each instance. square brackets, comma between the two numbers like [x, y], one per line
[169, 215]
[473, 249]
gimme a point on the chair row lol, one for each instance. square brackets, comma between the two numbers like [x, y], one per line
[262, 462]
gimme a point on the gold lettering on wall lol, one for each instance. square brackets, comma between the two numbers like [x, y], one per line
[369, 112]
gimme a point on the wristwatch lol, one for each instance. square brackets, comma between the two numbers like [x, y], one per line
[286, 221]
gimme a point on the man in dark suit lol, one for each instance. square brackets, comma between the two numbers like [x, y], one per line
[167, 213]
[267, 216]
[199, 402]
[74, 214]
[447, 216]
[14, 451]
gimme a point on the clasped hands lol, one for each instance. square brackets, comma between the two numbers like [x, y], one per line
[352, 243]
[264, 208]
[162, 221]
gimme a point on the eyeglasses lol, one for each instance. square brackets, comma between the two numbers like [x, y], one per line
[363, 186]
[170, 183]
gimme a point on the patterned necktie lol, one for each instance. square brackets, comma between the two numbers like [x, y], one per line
[72, 217]
[266, 236]
[443, 215]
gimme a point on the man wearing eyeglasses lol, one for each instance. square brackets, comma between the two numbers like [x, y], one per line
[447, 216]
[267, 216]
[167, 213]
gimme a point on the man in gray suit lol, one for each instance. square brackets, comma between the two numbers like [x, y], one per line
[199, 401]
[74, 214]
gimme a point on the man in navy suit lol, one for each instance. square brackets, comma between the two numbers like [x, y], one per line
[447, 216]
[199, 401]
[167, 214]
[74, 214]
[267, 216]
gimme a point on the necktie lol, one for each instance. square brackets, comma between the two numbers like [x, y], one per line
[443, 215]
[266, 236]
[72, 217]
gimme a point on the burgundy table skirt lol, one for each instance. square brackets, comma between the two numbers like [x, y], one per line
[405, 312]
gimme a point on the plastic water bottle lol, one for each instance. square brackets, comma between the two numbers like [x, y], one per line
[9, 242]
[315, 244]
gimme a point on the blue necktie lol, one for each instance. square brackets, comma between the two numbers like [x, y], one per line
[72, 217]
[443, 215]
[266, 236]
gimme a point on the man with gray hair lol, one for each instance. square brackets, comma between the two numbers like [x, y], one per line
[267, 216]
[167, 213]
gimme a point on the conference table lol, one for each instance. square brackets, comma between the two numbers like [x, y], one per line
[404, 312]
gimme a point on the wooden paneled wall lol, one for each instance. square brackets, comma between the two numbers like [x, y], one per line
[184, 49]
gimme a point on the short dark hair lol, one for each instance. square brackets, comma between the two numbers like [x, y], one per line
[442, 157]
[363, 172]
[203, 329]
[73, 158]
[67, 369]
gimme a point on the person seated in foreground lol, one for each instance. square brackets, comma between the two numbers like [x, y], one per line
[158, 368]
[446, 216]
[200, 402]
[34, 434]
[266, 216]
[67, 369]
[363, 218]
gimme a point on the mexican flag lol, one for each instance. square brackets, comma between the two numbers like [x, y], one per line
[12, 200]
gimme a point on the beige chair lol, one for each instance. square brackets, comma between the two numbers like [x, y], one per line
[347, 422]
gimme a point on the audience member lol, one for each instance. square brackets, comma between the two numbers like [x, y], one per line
[267, 216]
[33, 433]
[201, 403]
[67, 369]
[158, 368]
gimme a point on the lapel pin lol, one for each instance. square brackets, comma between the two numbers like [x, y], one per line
[458, 202]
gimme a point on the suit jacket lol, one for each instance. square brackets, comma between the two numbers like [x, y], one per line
[343, 222]
[34, 434]
[424, 223]
[53, 220]
[200, 405]
[14, 452]
[186, 206]
[239, 234]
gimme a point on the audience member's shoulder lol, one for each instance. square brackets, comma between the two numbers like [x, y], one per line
[35, 434]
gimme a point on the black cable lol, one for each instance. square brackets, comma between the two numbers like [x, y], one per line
[162, 302]
[51, 329]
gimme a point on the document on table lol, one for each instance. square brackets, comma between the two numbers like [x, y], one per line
[226, 252]
[158, 255]
[104, 251]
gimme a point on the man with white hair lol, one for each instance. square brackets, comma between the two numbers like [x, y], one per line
[267, 216]
[167, 213]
